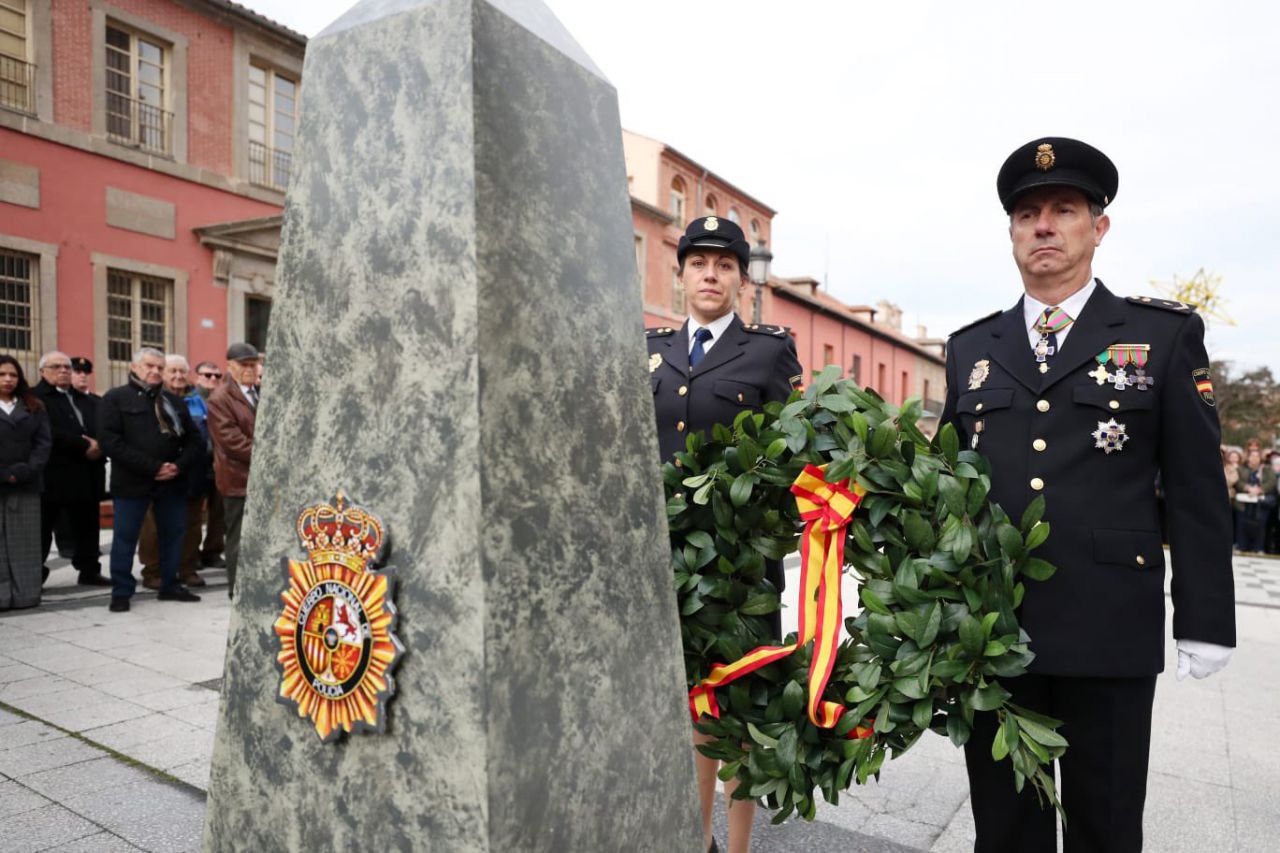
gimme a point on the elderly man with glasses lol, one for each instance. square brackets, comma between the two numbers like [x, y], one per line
[73, 479]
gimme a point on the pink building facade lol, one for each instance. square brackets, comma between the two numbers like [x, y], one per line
[144, 151]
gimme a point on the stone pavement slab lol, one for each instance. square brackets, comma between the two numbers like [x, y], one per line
[1214, 783]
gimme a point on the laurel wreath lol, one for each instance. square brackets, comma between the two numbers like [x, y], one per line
[940, 573]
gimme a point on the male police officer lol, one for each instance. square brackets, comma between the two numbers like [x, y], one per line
[704, 374]
[1082, 397]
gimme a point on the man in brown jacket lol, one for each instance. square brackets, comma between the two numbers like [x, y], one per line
[232, 408]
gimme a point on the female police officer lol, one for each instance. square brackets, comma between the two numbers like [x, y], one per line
[705, 373]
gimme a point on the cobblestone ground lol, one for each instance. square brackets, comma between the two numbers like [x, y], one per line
[107, 724]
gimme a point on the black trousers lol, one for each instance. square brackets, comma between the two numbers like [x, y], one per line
[1102, 777]
[82, 517]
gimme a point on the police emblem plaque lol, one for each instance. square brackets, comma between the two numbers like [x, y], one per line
[337, 648]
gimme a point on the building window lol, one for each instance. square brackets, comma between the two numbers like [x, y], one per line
[137, 89]
[904, 389]
[710, 206]
[925, 395]
[257, 313]
[273, 114]
[882, 384]
[17, 73]
[733, 215]
[828, 354]
[677, 202]
[856, 374]
[755, 228]
[20, 308]
[640, 262]
[677, 293]
[139, 314]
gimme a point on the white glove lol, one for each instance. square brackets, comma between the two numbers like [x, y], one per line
[1201, 659]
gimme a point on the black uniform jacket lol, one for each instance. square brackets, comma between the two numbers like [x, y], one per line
[70, 476]
[748, 366]
[1102, 613]
[131, 436]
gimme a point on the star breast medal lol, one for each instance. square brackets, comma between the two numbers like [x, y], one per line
[981, 370]
[337, 648]
[1110, 436]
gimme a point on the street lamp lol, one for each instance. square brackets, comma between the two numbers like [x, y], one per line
[758, 271]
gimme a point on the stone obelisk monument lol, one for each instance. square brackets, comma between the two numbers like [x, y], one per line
[457, 345]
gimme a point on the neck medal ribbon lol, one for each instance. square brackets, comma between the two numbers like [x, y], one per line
[336, 646]
[826, 509]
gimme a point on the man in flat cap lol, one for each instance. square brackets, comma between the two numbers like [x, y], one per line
[704, 373]
[1083, 397]
[233, 408]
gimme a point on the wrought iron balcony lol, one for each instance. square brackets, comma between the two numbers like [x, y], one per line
[17, 85]
[269, 166]
[136, 123]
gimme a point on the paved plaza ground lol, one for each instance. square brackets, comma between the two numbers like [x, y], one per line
[107, 723]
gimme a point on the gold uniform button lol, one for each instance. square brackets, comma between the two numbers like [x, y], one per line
[978, 408]
[1043, 405]
[679, 464]
[682, 390]
[739, 398]
[1115, 404]
[1037, 483]
[680, 426]
[1039, 444]
[1141, 561]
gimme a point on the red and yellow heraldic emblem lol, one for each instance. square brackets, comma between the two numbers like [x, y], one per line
[336, 645]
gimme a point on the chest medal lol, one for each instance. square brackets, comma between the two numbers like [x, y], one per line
[981, 370]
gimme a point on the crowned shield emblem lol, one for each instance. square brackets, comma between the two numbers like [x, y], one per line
[337, 648]
[1045, 158]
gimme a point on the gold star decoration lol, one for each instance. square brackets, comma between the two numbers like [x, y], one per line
[1203, 291]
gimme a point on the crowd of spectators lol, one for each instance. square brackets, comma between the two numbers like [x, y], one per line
[1253, 478]
[169, 448]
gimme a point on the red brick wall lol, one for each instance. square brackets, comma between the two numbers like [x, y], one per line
[210, 56]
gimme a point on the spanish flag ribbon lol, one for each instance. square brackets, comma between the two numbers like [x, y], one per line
[826, 509]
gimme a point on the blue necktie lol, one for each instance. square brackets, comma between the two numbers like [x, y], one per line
[696, 354]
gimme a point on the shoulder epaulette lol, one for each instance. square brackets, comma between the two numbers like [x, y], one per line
[659, 332]
[1166, 304]
[977, 322]
[762, 329]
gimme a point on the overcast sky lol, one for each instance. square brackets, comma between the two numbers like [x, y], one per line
[876, 131]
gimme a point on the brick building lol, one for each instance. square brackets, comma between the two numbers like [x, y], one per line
[669, 188]
[144, 151]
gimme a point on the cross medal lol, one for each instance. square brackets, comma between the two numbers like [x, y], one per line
[1120, 379]
[1043, 350]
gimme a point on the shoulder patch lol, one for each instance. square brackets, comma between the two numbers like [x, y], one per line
[1166, 304]
[977, 322]
[762, 329]
[659, 332]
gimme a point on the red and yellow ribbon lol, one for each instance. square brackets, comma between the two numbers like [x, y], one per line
[826, 508]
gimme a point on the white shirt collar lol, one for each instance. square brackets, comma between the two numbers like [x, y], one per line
[717, 327]
[1032, 308]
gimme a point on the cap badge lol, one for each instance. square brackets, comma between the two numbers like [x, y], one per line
[711, 224]
[981, 370]
[1045, 157]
